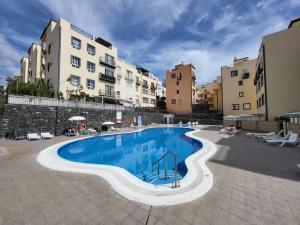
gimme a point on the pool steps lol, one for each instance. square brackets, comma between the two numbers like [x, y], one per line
[153, 178]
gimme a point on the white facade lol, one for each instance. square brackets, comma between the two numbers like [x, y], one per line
[71, 59]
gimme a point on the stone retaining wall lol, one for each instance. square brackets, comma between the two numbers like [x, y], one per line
[55, 119]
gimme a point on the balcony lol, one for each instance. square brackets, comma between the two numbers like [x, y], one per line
[110, 63]
[137, 82]
[129, 78]
[153, 87]
[107, 94]
[107, 78]
[194, 77]
[119, 75]
[145, 85]
[245, 75]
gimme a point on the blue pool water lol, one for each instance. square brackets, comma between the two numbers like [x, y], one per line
[136, 152]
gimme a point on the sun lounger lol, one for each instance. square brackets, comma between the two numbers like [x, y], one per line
[33, 136]
[229, 130]
[114, 128]
[135, 127]
[272, 136]
[253, 135]
[46, 135]
[292, 139]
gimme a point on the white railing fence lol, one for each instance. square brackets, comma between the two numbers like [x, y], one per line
[43, 101]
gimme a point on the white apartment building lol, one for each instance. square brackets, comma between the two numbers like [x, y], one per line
[71, 59]
[24, 69]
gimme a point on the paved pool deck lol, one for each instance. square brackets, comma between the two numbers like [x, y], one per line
[254, 183]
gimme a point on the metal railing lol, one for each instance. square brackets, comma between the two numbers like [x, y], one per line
[164, 157]
[43, 101]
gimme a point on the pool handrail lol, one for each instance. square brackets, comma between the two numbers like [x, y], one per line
[176, 181]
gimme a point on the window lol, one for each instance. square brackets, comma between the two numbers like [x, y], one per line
[173, 101]
[241, 94]
[262, 80]
[173, 75]
[91, 67]
[118, 82]
[137, 88]
[262, 100]
[109, 59]
[75, 61]
[247, 106]
[129, 74]
[152, 101]
[258, 85]
[259, 102]
[234, 73]
[179, 102]
[177, 91]
[145, 100]
[153, 93]
[48, 67]
[91, 49]
[245, 70]
[109, 90]
[145, 91]
[241, 83]
[75, 80]
[75, 42]
[235, 106]
[109, 72]
[129, 84]
[145, 83]
[90, 84]
[177, 83]
[118, 94]
[49, 49]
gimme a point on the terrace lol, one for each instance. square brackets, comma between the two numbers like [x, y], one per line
[254, 183]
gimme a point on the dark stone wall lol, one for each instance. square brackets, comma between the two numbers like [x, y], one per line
[55, 119]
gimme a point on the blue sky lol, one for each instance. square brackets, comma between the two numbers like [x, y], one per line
[154, 34]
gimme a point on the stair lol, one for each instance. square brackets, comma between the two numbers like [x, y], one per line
[153, 178]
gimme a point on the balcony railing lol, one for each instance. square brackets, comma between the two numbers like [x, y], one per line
[107, 78]
[110, 63]
[137, 82]
[107, 93]
[129, 78]
[145, 85]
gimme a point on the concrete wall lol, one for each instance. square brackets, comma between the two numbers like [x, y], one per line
[55, 119]
[282, 53]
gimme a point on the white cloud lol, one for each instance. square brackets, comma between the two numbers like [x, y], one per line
[225, 19]
[9, 59]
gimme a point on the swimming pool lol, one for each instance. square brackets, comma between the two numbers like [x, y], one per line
[128, 157]
[137, 152]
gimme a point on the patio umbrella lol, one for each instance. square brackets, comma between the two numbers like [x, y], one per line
[108, 123]
[77, 118]
[230, 117]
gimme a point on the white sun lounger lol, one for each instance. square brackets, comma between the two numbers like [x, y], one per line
[273, 136]
[33, 136]
[292, 139]
[46, 135]
[253, 135]
[114, 128]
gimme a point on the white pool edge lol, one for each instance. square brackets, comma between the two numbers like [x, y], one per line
[195, 183]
